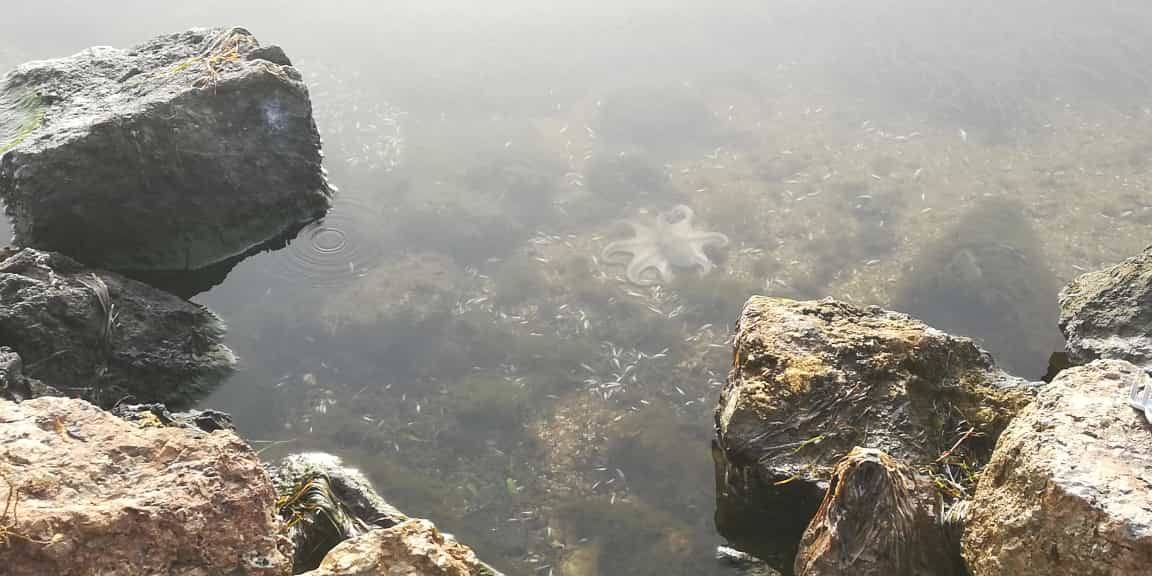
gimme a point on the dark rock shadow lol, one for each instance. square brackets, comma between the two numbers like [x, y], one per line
[986, 278]
[189, 283]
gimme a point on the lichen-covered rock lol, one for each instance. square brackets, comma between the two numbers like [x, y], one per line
[412, 548]
[812, 380]
[174, 154]
[105, 337]
[879, 518]
[1069, 488]
[95, 494]
[1108, 313]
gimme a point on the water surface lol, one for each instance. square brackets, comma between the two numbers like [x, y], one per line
[450, 328]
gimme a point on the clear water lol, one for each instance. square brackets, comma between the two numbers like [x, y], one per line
[449, 327]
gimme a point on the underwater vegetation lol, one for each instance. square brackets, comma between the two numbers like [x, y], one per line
[656, 451]
[524, 189]
[987, 278]
[490, 404]
[614, 182]
[859, 226]
[627, 177]
[715, 299]
[518, 279]
[664, 120]
[631, 538]
[468, 237]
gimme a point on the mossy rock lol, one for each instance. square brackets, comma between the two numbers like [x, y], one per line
[812, 380]
[19, 118]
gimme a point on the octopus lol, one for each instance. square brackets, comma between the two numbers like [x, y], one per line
[663, 242]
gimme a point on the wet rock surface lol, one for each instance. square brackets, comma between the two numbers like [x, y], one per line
[1069, 487]
[175, 154]
[325, 503]
[14, 385]
[159, 415]
[412, 548]
[812, 380]
[104, 337]
[879, 518]
[1108, 313]
[97, 494]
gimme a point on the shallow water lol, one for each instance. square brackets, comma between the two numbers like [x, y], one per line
[450, 328]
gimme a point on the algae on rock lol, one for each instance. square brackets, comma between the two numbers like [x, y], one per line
[812, 380]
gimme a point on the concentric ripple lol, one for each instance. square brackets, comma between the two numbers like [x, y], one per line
[333, 251]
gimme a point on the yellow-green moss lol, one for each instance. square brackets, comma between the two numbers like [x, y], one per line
[32, 106]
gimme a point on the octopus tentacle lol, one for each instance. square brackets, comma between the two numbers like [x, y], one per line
[640, 263]
[629, 246]
[709, 238]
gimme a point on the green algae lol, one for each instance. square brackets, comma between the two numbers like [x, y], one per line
[26, 115]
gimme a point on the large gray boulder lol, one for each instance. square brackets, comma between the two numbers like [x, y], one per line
[810, 381]
[175, 154]
[1108, 313]
[1069, 488]
[105, 337]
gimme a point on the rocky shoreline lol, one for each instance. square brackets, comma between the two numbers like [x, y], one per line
[182, 152]
[859, 441]
[848, 439]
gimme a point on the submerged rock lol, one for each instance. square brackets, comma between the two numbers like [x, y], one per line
[96, 494]
[104, 336]
[412, 548]
[879, 518]
[175, 154]
[986, 278]
[1108, 313]
[812, 380]
[1069, 487]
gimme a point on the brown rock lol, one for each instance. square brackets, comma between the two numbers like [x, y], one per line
[878, 518]
[812, 380]
[90, 493]
[1069, 488]
[411, 548]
